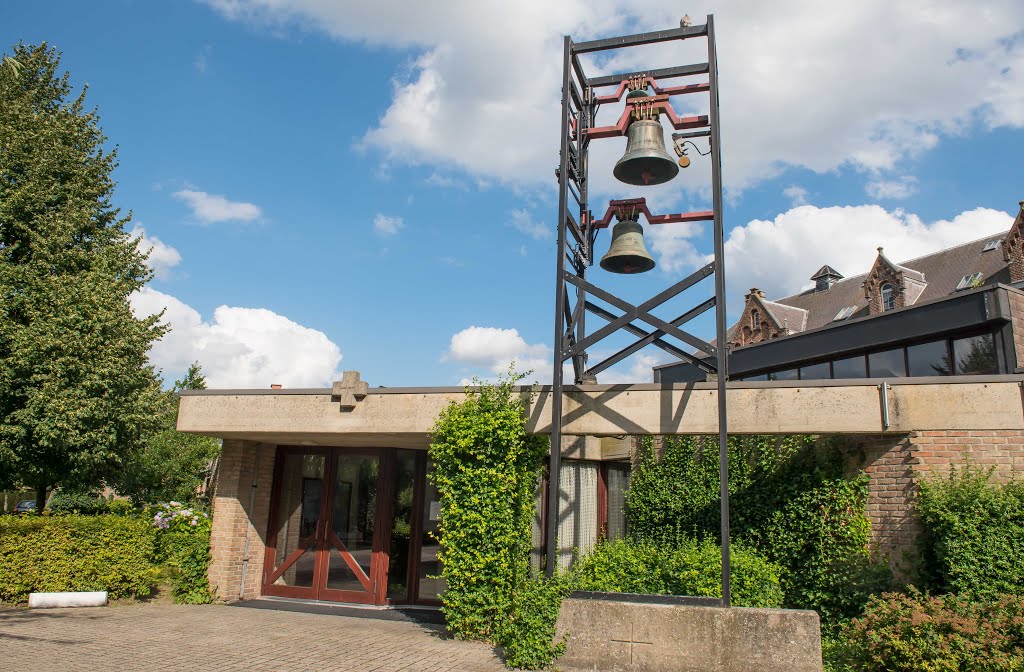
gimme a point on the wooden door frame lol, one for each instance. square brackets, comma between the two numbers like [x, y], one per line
[383, 523]
[383, 485]
[268, 587]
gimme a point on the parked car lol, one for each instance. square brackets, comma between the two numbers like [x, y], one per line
[24, 506]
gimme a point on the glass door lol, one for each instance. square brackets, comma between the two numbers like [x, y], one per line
[292, 562]
[352, 566]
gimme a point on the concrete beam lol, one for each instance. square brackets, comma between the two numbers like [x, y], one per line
[403, 417]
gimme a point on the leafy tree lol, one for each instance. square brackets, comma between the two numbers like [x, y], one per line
[76, 391]
[169, 465]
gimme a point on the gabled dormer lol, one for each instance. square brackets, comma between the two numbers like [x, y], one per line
[889, 286]
[764, 320]
[825, 278]
[1013, 247]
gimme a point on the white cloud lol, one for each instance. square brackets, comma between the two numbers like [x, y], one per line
[796, 194]
[780, 255]
[239, 347]
[804, 83]
[388, 226]
[671, 246]
[213, 208]
[492, 349]
[521, 221]
[162, 257]
[898, 188]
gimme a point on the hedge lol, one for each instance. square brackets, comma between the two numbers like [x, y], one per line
[973, 539]
[910, 632]
[690, 568]
[76, 553]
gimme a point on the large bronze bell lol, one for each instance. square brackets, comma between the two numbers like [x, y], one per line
[627, 253]
[646, 161]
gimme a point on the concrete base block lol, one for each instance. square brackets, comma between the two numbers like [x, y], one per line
[53, 600]
[611, 635]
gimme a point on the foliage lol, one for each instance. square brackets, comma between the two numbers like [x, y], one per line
[84, 503]
[486, 469]
[168, 464]
[528, 635]
[915, 632]
[75, 388]
[75, 553]
[790, 502]
[973, 537]
[689, 568]
[183, 545]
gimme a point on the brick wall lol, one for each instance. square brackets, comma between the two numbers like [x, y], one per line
[897, 463]
[232, 517]
[1016, 300]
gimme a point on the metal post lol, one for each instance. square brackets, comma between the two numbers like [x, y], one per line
[556, 378]
[721, 328]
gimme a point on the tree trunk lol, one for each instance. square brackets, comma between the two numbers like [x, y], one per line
[40, 498]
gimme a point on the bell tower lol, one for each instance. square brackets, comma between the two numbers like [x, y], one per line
[646, 99]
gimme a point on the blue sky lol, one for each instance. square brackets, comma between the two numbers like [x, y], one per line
[333, 185]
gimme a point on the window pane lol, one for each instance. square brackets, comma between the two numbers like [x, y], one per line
[888, 364]
[788, 374]
[762, 376]
[815, 372]
[851, 367]
[928, 359]
[975, 355]
[618, 484]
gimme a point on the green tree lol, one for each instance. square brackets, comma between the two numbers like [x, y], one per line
[169, 465]
[76, 391]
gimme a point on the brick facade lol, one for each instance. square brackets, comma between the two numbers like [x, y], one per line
[1013, 247]
[897, 463]
[1016, 301]
[882, 273]
[232, 518]
[756, 324]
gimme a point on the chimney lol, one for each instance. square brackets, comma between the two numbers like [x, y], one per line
[754, 291]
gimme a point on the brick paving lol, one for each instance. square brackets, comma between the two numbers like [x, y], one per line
[215, 637]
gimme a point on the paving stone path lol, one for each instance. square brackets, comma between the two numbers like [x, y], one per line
[216, 637]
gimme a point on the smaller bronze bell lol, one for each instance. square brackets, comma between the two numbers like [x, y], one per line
[627, 253]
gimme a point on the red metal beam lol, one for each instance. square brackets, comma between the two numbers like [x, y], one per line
[650, 81]
[659, 102]
[639, 205]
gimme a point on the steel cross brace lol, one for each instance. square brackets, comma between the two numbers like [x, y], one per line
[641, 312]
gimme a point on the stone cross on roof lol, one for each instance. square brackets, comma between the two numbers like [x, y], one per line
[349, 390]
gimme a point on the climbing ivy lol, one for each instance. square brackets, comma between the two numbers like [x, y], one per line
[790, 501]
[486, 470]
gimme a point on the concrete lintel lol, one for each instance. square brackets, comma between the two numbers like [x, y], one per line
[404, 419]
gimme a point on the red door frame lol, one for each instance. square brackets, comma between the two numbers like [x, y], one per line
[324, 540]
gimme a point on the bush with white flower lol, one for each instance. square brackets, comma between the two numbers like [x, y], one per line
[183, 546]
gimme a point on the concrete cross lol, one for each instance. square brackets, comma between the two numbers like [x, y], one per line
[632, 641]
[349, 390]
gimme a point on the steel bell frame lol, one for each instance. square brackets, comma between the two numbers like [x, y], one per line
[578, 229]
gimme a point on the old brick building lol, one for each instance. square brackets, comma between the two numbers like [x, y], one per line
[958, 311]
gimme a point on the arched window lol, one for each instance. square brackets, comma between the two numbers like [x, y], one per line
[755, 318]
[888, 298]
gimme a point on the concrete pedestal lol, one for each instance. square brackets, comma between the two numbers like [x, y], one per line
[611, 635]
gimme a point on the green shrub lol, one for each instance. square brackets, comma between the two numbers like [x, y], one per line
[915, 632]
[690, 568]
[83, 503]
[973, 541]
[183, 546]
[75, 553]
[790, 502]
[486, 471]
[528, 636]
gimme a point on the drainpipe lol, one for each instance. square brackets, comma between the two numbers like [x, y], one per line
[248, 527]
